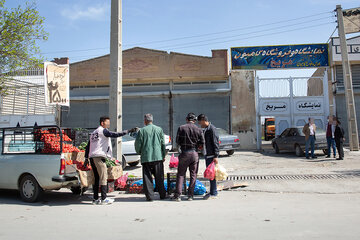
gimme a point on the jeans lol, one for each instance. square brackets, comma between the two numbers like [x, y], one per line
[311, 142]
[213, 187]
[331, 144]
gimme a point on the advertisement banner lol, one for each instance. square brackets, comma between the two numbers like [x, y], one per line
[57, 90]
[280, 57]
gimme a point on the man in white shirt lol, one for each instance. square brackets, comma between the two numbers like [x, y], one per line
[309, 130]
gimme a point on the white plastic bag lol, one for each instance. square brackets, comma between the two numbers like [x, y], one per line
[220, 173]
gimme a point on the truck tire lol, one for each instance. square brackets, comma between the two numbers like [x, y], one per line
[230, 152]
[76, 190]
[30, 190]
[133, 164]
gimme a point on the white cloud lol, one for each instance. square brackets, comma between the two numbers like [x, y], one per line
[97, 12]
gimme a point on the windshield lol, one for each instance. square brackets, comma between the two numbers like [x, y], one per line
[222, 131]
[270, 123]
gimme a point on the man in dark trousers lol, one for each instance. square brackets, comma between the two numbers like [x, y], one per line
[339, 139]
[99, 148]
[211, 151]
[150, 144]
[189, 139]
[330, 136]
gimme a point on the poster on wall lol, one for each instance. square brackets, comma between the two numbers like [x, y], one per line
[280, 57]
[57, 90]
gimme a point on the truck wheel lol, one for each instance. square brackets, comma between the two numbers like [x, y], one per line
[133, 164]
[298, 151]
[276, 148]
[123, 162]
[76, 190]
[230, 152]
[30, 190]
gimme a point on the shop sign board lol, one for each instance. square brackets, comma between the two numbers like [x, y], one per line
[280, 57]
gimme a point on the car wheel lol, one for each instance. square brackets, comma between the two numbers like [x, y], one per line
[76, 190]
[298, 151]
[276, 148]
[133, 164]
[230, 152]
[123, 162]
[30, 190]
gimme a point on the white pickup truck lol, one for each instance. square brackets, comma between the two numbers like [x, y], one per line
[26, 166]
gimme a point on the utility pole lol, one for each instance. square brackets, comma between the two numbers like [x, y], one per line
[349, 94]
[115, 92]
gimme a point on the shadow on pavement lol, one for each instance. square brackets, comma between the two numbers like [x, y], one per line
[349, 172]
[51, 198]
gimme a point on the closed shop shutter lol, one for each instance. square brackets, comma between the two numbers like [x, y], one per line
[355, 72]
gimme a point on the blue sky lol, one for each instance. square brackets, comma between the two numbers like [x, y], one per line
[81, 29]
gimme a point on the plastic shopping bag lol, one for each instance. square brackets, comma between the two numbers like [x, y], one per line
[174, 162]
[210, 171]
[121, 181]
[220, 173]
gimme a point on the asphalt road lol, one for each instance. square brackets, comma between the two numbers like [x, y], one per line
[266, 209]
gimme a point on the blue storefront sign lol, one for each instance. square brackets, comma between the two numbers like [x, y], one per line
[286, 56]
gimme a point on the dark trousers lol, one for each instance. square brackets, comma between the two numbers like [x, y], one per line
[156, 169]
[331, 144]
[339, 146]
[187, 160]
[213, 186]
[96, 183]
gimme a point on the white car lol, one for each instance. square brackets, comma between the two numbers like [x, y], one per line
[129, 153]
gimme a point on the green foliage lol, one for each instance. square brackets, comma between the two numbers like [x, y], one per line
[21, 28]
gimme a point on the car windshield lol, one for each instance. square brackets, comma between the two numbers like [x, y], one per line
[222, 131]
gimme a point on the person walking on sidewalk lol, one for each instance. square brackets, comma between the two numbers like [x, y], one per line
[98, 149]
[339, 139]
[309, 130]
[189, 139]
[211, 150]
[150, 144]
[330, 136]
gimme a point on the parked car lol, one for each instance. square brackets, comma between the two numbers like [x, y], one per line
[130, 156]
[228, 142]
[293, 139]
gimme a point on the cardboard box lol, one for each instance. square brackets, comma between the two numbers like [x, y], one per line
[78, 156]
[115, 172]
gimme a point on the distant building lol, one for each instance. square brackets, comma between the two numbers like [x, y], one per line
[338, 81]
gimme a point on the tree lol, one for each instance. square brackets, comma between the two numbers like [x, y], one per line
[21, 28]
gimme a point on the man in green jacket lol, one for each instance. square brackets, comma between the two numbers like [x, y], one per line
[150, 144]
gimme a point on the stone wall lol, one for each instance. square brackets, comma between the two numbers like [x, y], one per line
[243, 114]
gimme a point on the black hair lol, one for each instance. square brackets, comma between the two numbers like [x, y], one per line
[103, 119]
[191, 117]
[202, 117]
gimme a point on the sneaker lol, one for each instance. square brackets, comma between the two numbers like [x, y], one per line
[107, 201]
[213, 197]
[176, 198]
[96, 202]
[190, 198]
[307, 157]
[339, 158]
[328, 156]
[207, 196]
[314, 156]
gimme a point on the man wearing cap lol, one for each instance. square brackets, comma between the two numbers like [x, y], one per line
[189, 139]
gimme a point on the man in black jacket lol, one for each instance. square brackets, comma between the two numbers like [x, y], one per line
[211, 151]
[339, 139]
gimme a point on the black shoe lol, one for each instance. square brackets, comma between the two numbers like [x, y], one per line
[314, 156]
[328, 156]
[339, 158]
[307, 157]
[149, 199]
